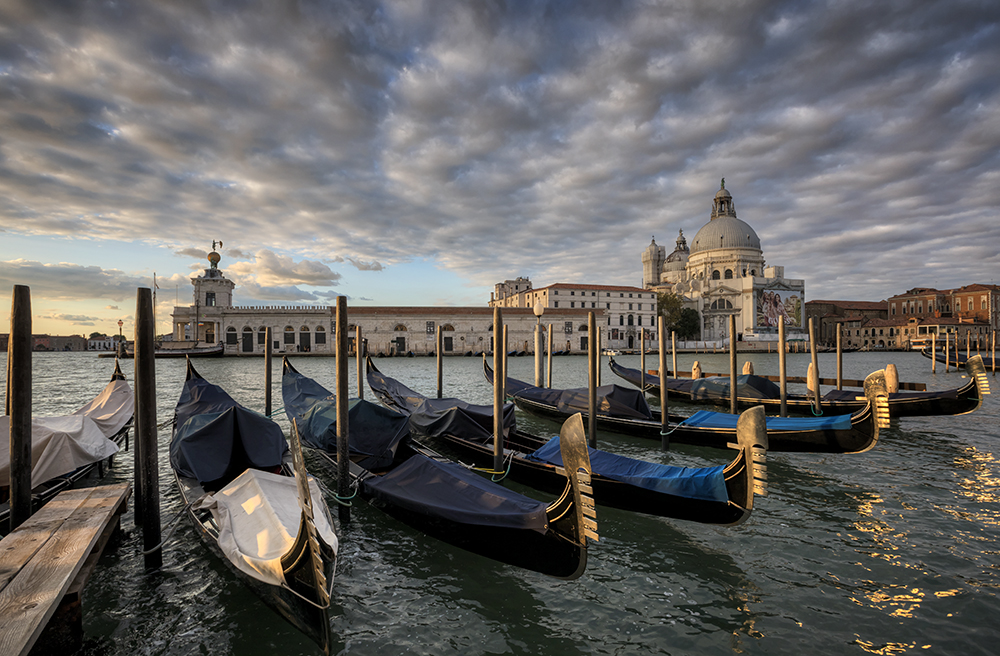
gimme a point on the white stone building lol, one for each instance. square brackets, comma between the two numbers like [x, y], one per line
[622, 311]
[724, 274]
[213, 318]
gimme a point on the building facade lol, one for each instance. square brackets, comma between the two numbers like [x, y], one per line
[622, 312]
[724, 274]
[212, 318]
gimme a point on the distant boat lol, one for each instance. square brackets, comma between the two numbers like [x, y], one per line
[176, 350]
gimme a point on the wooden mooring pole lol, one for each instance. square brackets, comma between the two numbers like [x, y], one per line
[439, 356]
[947, 350]
[548, 378]
[498, 398]
[782, 369]
[673, 350]
[813, 374]
[19, 404]
[592, 380]
[732, 364]
[361, 350]
[933, 353]
[840, 358]
[661, 336]
[642, 362]
[267, 372]
[147, 451]
[343, 453]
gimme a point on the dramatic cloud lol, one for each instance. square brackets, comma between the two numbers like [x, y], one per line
[70, 281]
[860, 139]
[75, 319]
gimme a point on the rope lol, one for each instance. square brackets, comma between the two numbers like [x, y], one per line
[274, 412]
[346, 501]
[678, 425]
[173, 523]
[168, 422]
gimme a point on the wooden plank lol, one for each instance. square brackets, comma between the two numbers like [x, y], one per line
[17, 548]
[29, 600]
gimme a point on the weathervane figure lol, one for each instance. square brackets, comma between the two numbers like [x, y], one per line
[216, 242]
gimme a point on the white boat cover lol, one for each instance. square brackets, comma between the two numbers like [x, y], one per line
[112, 408]
[258, 516]
[59, 445]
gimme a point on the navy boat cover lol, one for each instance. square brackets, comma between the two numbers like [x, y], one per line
[747, 386]
[612, 400]
[374, 431]
[707, 419]
[434, 417]
[439, 488]
[707, 483]
[216, 439]
[433, 487]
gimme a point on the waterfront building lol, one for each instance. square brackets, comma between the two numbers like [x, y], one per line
[827, 315]
[622, 311]
[724, 273]
[213, 318]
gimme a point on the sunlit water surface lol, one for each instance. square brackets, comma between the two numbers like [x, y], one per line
[887, 552]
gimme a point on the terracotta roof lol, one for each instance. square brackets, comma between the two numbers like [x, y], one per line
[595, 288]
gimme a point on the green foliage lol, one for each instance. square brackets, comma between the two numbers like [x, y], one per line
[669, 306]
[688, 325]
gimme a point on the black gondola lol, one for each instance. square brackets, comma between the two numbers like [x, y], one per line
[440, 497]
[757, 390]
[111, 412]
[253, 504]
[710, 495]
[625, 411]
[956, 358]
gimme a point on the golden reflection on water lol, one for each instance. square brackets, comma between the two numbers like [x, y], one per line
[887, 648]
[980, 485]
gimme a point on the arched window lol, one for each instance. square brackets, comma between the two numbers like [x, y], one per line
[320, 335]
[231, 336]
[400, 328]
[621, 319]
[715, 274]
[753, 272]
[729, 274]
[289, 335]
[262, 335]
[631, 320]
[447, 327]
[583, 327]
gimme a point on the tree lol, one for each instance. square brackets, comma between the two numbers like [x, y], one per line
[669, 306]
[688, 325]
[96, 335]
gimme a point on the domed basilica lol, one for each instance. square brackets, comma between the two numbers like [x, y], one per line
[723, 273]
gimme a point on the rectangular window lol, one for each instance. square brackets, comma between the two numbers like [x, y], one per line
[231, 337]
[593, 305]
[630, 305]
[640, 320]
[262, 337]
[970, 305]
[572, 293]
[572, 303]
[593, 293]
[556, 304]
[210, 299]
[320, 337]
[608, 306]
[568, 327]
[289, 337]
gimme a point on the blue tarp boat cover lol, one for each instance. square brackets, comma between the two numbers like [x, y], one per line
[612, 400]
[708, 419]
[707, 483]
[216, 439]
[420, 484]
[435, 488]
[747, 387]
[374, 431]
[435, 417]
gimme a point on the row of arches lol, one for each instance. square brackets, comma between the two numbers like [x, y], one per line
[728, 274]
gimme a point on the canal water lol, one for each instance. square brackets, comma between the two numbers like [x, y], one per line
[892, 551]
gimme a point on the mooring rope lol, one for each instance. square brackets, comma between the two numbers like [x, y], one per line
[173, 523]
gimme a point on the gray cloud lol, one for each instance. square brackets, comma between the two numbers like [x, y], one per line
[75, 319]
[861, 140]
[70, 281]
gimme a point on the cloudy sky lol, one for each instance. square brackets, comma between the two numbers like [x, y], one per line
[417, 152]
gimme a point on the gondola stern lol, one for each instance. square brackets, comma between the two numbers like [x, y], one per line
[977, 371]
[574, 515]
[751, 438]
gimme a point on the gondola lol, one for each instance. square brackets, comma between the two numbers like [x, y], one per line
[756, 390]
[253, 505]
[712, 495]
[625, 411]
[956, 358]
[442, 498]
[68, 449]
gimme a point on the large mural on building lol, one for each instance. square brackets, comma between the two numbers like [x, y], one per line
[777, 305]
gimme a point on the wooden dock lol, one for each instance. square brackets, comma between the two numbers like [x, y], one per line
[46, 561]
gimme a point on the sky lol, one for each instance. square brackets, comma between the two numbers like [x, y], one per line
[418, 152]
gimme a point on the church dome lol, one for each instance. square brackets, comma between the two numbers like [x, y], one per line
[724, 230]
[677, 261]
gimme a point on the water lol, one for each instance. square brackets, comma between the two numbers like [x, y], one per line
[887, 552]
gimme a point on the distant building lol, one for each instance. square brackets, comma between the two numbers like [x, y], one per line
[722, 274]
[213, 318]
[622, 311]
[827, 315]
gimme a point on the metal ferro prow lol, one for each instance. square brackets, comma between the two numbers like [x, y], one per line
[576, 461]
